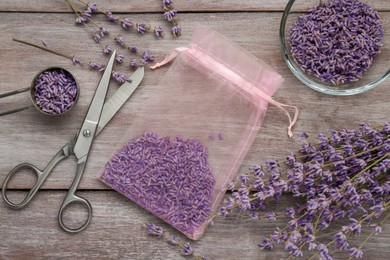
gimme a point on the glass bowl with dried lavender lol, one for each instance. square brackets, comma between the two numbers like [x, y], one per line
[336, 47]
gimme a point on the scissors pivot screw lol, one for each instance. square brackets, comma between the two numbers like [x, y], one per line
[86, 133]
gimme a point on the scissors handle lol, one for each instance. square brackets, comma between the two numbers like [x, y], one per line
[41, 177]
[72, 198]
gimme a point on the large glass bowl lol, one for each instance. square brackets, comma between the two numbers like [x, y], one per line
[377, 73]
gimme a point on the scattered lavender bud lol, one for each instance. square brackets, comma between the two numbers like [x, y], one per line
[158, 32]
[155, 230]
[93, 7]
[141, 28]
[110, 16]
[147, 57]
[133, 49]
[119, 58]
[120, 40]
[133, 63]
[176, 30]
[187, 249]
[44, 43]
[76, 61]
[170, 15]
[107, 49]
[96, 36]
[355, 252]
[166, 3]
[173, 241]
[97, 66]
[81, 20]
[103, 31]
[119, 77]
[55, 91]
[127, 23]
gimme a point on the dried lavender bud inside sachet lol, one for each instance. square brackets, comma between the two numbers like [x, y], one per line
[336, 42]
[55, 91]
[168, 176]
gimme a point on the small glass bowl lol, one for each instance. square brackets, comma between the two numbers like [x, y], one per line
[378, 72]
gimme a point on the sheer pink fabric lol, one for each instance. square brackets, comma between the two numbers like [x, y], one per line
[215, 92]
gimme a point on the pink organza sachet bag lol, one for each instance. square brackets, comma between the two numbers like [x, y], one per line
[193, 131]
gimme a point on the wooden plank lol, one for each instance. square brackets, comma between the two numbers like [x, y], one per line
[116, 232]
[32, 137]
[182, 6]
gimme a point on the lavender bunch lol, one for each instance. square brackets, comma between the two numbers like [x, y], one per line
[186, 249]
[345, 178]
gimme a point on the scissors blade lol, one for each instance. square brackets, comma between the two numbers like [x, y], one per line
[89, 126]
[119, 98]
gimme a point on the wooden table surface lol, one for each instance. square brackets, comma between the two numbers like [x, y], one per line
[115, 231]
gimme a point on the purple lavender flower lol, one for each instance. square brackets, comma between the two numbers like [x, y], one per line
[107, 49]
[166, 3]
[93, 7]
[127, 23]
[141, 28]
[81, 20]
[96, 37]
[110, 16]
[271, 216]
[76, 61]
[119, 58]
[176, 30]
[377, 228]
[170, 15]
[102, 31]
[97, 66]
[155, 230]
[120, 40]
[266, 244]
[173, 241]
[158, 32]
[355, 252]
[187, 249]
[119, 77]
[133, 63]
[147, 57]
[133, 49]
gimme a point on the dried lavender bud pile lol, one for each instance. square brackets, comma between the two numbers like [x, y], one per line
[169, 177]
[337, 41]
[55, 91]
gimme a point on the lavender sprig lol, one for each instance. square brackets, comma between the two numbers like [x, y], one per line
[342, 177]
[170, 14]
[84, 17]
[118, 77]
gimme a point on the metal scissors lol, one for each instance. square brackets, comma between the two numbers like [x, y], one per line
[98, 115]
